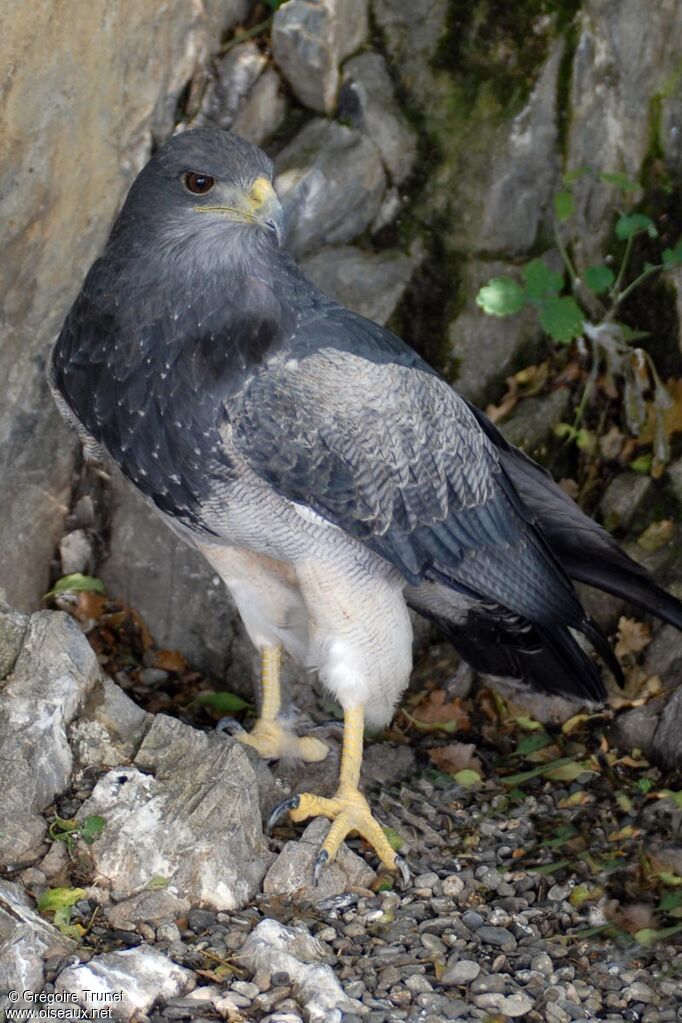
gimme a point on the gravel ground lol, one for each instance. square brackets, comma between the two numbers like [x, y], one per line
[499, 921]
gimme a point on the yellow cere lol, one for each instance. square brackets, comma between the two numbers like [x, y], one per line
[261, 191]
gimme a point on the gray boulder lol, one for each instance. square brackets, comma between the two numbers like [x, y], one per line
[626, 55]
[369, 283]
[273, 948]
[127, 983]
[245, 95]
[486, 349]
[235, 75]
[624, 498]
[331, 182]
[263, 111]
[187, 811]
[368, 102]
[412, 33]
[291, 875]
[51, 680]
[181, 599]
[309, 38]
[26, 941]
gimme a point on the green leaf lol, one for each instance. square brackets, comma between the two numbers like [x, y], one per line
[549, 868]
[676, 796]
[75, 583]
[59, 898]
[599, 278]
[672, 257]
[501, 296]
[518, 779]
[467, 778]
[532, 743]
[225, 703]
[620, 181]
[562, 318]
[631, 335]
[642, 465]
[394, 838]
[540, 280]
[631, 224]
[91, 828]
[671, 900]
[570, 177]
[648, 936]
[158, 881]
[564, 205]
[644, 784]
[527, 724]
[569, 772]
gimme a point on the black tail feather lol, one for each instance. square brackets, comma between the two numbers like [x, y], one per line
[548, 658]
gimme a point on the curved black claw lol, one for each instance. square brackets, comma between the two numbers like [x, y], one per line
[229, 726]
[318, 864]
[404, 870]
[290, 803]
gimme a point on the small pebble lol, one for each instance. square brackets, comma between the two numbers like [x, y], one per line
[462, 971]
[453, 885]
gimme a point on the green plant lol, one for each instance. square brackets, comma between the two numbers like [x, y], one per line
[582, 307]
[70, 830]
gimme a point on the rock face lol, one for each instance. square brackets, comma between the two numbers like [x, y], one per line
[309, 38]
[186, 811]
[26, 939]
[103, 87]
[331, 182]
[369, 283]
[51, 679]
[272, 948]
[127, 983]
[368, 102]
[621, 62]
[291, 873]
[484, 358]
[182, 600]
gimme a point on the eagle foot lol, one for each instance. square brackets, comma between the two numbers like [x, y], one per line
[272, 741]
[350, 814]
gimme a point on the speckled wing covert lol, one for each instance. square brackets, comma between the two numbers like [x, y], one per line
[367, 436]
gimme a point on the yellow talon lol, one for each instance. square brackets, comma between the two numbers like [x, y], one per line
[268, 736]
[272, 741]
[350, 814]
[348, 810]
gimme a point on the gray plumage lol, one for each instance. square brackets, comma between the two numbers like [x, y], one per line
[328, 473]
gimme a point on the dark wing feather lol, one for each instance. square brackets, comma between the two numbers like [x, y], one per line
[586, 551]
[147, 373]
[388, 452]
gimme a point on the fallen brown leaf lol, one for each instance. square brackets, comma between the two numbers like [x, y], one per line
[633, 637]
[656, 535]
[456, 756]
[436, 710]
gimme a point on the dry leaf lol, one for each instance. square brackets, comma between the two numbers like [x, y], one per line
[436, 711]
[611, 444]
[633, 637]
[672, 416]
[632, 917]
[456, 756]
[570, 487]
[170, 660]
[656, 535]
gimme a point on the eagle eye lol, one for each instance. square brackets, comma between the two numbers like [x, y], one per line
[198, 184]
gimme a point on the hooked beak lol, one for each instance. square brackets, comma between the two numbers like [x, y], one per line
[259, 205]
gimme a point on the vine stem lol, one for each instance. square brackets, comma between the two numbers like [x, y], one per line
[563, 252]
[631, 287]
[249, 33]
